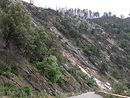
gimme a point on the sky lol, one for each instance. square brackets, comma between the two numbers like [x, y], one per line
[117, 7]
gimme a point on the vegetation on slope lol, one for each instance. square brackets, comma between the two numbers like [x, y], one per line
[18, 30]
[19, 33]
[102, 45]
[105, 48]
[50, 18]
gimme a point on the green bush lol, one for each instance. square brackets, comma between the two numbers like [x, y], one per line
[9, 89]
[103, 68]
[15, 22]
[50, 68]
[17, 27]
[4, 67]
[121, 88]
[12, 91]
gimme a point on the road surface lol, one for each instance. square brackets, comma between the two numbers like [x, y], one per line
[87, 95]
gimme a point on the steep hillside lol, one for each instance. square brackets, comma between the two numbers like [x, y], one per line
[22, 45]
[114, 24]
[43, 52]
[92, 46]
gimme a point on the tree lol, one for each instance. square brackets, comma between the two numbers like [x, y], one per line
[96, 14]
[78, 12]
[105, 14]
[114, 15]
[103, 68]
[86, 13]
[109, 14]
[122, 16]
[90, 13]
[75, 11]
[15, 22]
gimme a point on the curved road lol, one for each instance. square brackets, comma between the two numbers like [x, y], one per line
[87, 95]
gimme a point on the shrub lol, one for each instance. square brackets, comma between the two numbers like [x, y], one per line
[4, 67]
[12, 91]
[15, 23]
[16, 27]
[78, 74]
[9, 89]
[103, 68]
[121, 88]
[50, 68]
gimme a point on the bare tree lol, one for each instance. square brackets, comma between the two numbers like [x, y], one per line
[105, 14]
[31, 1]
[90, 13]
[122, 16]
[86, 13]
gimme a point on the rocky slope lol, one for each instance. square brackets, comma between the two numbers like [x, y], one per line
[97, 46]
[55, 53]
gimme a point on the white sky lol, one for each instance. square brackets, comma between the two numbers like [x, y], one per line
[117, 7]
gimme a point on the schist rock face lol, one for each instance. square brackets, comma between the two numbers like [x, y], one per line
[64, 52]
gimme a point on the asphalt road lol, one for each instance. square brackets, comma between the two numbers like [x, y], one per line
[87, 95]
